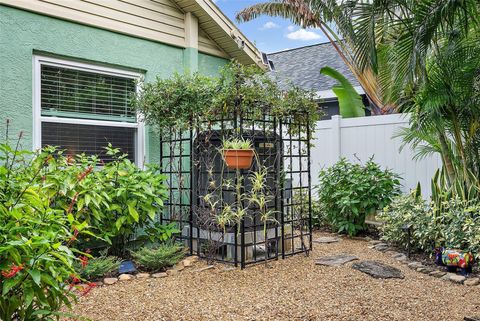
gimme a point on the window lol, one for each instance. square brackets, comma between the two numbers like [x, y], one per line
[81, 108]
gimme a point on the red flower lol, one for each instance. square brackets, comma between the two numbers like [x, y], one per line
[13, 271]
[84, 261]
[88, 288]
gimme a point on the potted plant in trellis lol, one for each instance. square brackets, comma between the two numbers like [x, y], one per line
[238, 153]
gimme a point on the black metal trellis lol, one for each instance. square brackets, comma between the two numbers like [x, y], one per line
[201, 187]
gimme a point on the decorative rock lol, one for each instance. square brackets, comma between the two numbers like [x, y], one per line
[401, 258]
[378, 270]
[424, 270]
[127, 267]
[98, 283]
[437, 274]
[326, 240]
[375, 242]
[143, 276]
[189, 261]
[472, 318]
[447, 276]
[125, 277]
[159, 275]
[457, 278]
[179, 267]
[209, 267]
[382, 247]
[172, 272]
[472, 281]
[110, 281]
[415, 265]
[335, 260]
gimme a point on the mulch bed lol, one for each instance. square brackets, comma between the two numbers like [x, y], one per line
[291, 289]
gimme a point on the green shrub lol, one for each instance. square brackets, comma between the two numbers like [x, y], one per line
[156, 259]
[36, 237]
[349, 192]
[97, 267]
[455, 225]
[116, 198]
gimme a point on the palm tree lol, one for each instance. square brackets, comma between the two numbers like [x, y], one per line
[384, 42]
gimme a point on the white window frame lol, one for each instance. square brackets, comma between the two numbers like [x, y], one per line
[38, 61]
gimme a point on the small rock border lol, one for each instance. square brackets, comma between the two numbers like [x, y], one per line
[419, 267]
[189, 261]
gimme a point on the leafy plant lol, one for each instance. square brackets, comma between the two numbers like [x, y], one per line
[160, 258]
[237, 143]
[161, 232]
[454, 225]
[97, 267]
[191, 101]
[36, 237]
[116, 198]
[349, 192]
[349, 101]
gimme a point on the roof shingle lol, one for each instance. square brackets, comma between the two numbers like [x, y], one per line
[301, 66]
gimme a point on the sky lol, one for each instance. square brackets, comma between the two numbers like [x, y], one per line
[267, 33]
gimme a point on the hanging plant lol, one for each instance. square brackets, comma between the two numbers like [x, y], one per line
[238, 153]
[191, 101]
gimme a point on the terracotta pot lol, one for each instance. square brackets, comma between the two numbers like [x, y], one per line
[238, 158]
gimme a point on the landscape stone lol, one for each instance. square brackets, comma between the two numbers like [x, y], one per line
[326, 240]
[382, 247]
[402, 258]
[375, 242]
[159, 275]
[457, 278]
[335, 260]
[378, 270]
[472, 281]
[437, 274]
[143, 275]
[110, 281]
[125, 277]
[172, 272]
[415, 265]
[179, 267]
[209, 267]
[472, 318]
[447, 276]
[190, 260]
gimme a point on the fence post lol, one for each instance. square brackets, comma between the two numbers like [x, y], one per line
[336, 138]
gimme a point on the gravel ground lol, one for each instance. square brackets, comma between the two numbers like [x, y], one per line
[291, 289]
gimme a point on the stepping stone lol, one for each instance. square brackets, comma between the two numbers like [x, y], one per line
[335, 260]
[378, 270]
[326, 240]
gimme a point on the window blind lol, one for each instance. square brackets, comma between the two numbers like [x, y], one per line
[89, 139]
[81, 94]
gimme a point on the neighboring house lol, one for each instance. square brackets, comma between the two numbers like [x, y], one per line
[69, 67]
[301, 67]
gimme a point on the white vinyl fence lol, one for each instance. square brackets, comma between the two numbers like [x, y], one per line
[364, 137]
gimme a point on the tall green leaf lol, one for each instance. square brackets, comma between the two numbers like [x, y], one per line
[349, 101]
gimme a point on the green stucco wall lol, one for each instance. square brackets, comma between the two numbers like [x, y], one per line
[23, 33]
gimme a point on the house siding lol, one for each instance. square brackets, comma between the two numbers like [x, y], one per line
[23, 34]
